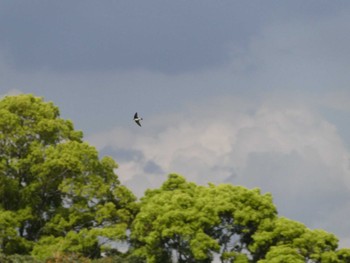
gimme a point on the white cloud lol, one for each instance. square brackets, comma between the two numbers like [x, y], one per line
[290, 151]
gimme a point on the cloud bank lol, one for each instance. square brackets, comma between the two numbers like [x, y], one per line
[288, 150]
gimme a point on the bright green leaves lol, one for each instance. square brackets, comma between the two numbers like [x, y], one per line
[291, 254]
[26, 118]
[196, 222]
[316, 244]
[71, 198]
[343, 255]
[280, 231]
[283, 254]
[82, 242]
[92, 200]
[167, 221]
[201, 246]
[234, 256]
[29, 108]
[292, 240]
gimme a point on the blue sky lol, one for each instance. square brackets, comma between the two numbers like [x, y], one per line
[239, 92]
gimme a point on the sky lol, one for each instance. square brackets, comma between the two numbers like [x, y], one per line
[249, 93]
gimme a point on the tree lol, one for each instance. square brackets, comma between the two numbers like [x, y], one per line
[294, 242]
[238, 213]
[56, 194]
[193, 223]
[183, 222]
[291, 239]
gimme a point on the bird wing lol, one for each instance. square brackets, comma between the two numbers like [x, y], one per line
[138, 123]
[135, 116]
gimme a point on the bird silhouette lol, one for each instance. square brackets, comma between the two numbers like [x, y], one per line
[137, 119]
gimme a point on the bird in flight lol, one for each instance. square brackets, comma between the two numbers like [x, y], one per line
[137, 119]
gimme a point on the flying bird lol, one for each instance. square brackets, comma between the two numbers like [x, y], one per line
[137, 119]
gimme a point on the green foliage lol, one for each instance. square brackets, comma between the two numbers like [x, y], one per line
[120, 258]
[282, 254]
[343, 255]
[55, 193]
[234, 256]
[196, 222]
[67, 258]
[292, 240]
[276, 232]
[18, 259]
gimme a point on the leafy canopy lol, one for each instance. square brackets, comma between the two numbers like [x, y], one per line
[195, 222]
[192, 223]
[56, 194]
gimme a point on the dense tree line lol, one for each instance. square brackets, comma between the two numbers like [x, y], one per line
[61, 202]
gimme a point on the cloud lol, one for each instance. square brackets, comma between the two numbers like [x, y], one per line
[290, 151]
